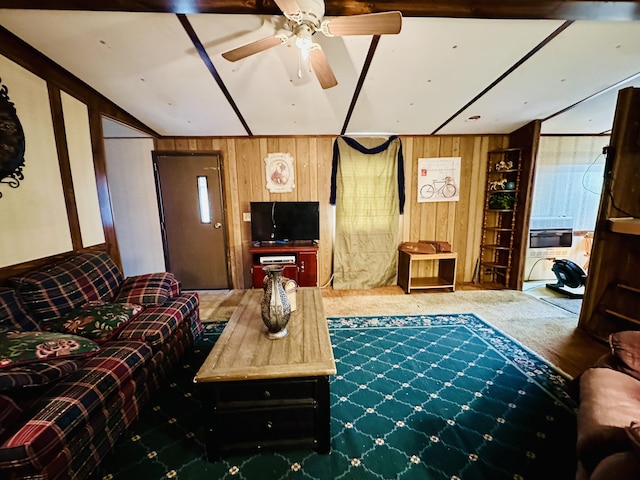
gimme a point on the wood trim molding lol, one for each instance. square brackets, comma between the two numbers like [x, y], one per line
[505, 9]
[104, 197]
[528, 138]
[59, 131]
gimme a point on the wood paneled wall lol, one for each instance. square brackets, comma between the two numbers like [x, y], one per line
[244, 181]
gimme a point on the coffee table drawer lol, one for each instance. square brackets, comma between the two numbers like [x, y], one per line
[258, 428]
[265, 390]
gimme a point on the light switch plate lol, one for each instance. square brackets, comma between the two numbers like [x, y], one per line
[246, 216]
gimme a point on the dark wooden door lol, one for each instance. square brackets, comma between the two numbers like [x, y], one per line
[192, 219]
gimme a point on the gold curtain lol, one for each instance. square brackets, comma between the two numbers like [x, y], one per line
[367, 212]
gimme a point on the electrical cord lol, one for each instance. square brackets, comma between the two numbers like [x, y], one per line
[610, 151]
[273, 220]
[328, 282]
[584, 175]
[613, 202]
[534, 266]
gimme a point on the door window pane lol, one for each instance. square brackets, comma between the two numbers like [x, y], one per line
[203, 200]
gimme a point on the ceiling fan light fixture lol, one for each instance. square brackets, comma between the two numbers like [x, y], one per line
[303, 37]
[303, 43]
[304, 59]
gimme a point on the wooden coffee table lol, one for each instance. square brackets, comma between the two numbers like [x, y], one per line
[268, 394]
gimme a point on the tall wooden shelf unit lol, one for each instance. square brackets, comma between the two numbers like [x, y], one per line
[500, 213]
[612, 292]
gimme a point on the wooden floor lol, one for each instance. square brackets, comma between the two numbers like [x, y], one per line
[391, 290]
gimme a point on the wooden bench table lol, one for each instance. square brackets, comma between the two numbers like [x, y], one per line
[445, 267]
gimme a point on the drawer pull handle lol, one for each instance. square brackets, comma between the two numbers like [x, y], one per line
[267, 394]
[269, 425]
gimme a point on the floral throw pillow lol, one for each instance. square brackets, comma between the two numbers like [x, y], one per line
[98, 321]
[17, 348]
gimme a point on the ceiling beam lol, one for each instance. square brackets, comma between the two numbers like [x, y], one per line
[505, 74]
[363, 75]
[184, 21]
[502, 9]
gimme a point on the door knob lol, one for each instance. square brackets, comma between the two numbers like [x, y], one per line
[217, 225]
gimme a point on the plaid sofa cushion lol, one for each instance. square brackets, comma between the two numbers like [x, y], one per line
[13, 315]
[175, 289]
[151, 289]
[57, 416]
[85, 449]
[169, 355]
[58, 289]
[197, 329]
[10, 414]
[36, 374]
[156, 324]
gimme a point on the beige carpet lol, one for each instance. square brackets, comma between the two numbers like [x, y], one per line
[572, 305]
[218, 305]
[546, 329]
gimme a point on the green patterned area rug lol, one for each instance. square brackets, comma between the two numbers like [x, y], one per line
[415, 397]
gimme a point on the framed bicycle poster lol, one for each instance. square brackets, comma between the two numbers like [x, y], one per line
[439, 179]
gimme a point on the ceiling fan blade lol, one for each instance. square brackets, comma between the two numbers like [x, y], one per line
[290, 8]
[367, 24]
[253, 47]
[322, 69]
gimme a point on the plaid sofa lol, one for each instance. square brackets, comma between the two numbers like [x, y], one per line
[59, 417]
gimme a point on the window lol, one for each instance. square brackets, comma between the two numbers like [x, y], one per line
[569, 176]
[203, 200]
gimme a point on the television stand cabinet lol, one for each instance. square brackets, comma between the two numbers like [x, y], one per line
[302, 267]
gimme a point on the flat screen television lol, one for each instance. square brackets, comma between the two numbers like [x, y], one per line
[285, 221]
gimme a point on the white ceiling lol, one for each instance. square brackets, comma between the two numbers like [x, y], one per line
[431, 78]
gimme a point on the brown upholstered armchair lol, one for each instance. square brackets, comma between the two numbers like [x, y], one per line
[608, 441]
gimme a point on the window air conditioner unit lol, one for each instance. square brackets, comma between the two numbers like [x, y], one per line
[550, 237]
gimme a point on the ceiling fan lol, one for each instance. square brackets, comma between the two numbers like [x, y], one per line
[304, 19]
